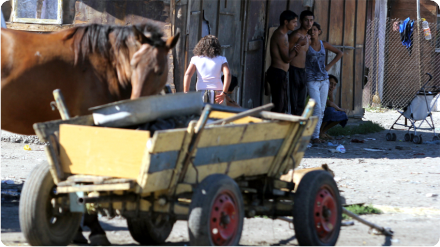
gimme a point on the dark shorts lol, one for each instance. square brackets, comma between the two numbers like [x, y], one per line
[277, 79]
[332, 115]
[297, 89]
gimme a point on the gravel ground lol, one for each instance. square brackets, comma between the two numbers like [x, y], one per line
[401, 182]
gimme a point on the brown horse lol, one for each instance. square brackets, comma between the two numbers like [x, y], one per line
[92, 65]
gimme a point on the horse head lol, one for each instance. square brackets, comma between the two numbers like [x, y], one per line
[149, 64]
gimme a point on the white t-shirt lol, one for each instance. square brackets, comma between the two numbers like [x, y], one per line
[209, 72]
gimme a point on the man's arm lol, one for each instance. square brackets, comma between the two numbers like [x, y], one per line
[283, 47]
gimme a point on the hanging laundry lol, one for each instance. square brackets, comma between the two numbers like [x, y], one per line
[406, 30]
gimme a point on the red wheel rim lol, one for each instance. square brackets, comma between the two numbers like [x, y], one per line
[325, 213]
[224, 219]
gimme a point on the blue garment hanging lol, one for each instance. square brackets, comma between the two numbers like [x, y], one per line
[406, 29]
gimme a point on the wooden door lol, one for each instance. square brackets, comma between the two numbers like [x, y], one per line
[253, 47]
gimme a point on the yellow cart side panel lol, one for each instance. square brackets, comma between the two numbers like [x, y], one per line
[160, 159]
[227, 135]
[102, 151]
[157, 181]
[250, 167]
[245, 120]
[168, 140]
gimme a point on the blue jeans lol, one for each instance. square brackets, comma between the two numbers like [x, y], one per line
[318, 90]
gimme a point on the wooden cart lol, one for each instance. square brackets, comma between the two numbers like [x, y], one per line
[213, 175]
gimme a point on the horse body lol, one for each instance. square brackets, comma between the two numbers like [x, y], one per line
[47, 63]
[92, 65]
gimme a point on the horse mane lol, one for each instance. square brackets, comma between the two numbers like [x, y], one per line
[95, 38]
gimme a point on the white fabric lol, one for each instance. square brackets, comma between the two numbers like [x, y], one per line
[418, 107]
[209, 72]
[318, 90]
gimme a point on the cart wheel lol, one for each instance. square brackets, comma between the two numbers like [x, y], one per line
[389, 137]
[317, 210]
[148, 231]
[407, 137]
[417, 139]
[412, 137]
[420, 139]
[39, 222]
[436, 138]
[394, 137]
[216, 212]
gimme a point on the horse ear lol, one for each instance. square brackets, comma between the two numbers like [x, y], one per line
[172, 41]
[139, 35]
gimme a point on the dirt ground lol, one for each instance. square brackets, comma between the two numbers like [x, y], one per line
[401, 182]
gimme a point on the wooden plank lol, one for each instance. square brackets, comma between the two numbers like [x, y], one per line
[250, 167]
[181, 159]
[336, 22]
[359, 57]
[227, 135]
[299, 146]
[321, 17]
[284, 148]
[99, 187]
[297, 6]
[335, 33]
[45, 129]
[210, 14]
[223, 115]
[167, 140]
[37, 27]
[102, 151]
[157, 181]
[347, 78]
[236, 152]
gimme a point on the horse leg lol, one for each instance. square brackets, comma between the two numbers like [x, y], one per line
[97, 235]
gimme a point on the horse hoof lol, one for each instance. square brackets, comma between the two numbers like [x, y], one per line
[79, 238]
[99, 240]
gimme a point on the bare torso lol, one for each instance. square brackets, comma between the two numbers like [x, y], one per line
[299, 60]
[278, 39]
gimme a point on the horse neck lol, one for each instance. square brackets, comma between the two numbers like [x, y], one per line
[106, 73]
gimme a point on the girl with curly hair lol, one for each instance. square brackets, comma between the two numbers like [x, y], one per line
[209, 65]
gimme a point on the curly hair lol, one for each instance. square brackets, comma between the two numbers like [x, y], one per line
[208, 46]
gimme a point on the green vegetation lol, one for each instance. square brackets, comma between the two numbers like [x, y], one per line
[375, 109]
[365, 128]
[361, 209]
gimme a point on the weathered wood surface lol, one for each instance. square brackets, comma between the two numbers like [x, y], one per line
[45, 129]
[347, 81]
[102, 151]
[222, 115]
[98, 187]
[37, 27]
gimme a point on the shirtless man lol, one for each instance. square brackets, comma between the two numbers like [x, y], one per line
[276, 75]
[297, 74]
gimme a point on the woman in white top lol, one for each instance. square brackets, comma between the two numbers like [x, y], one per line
[209, 65]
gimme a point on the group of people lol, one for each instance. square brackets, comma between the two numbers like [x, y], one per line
[298, 68]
